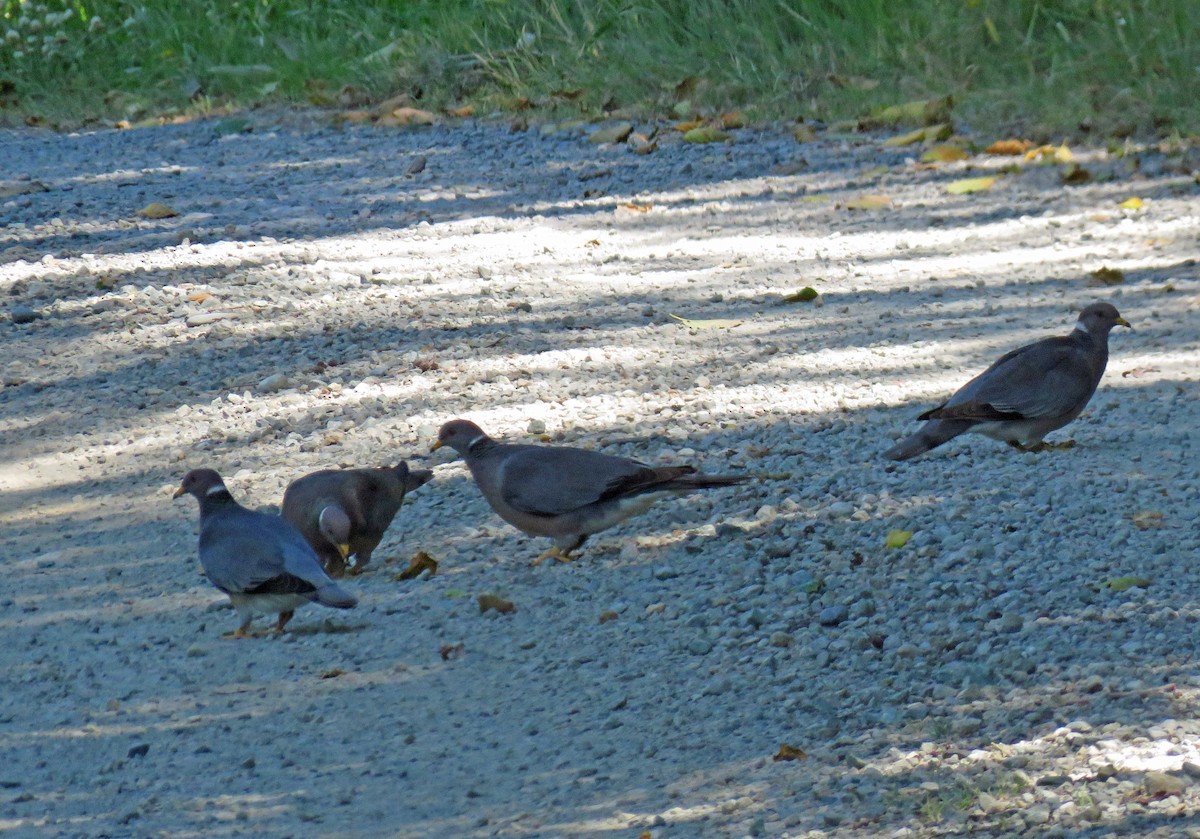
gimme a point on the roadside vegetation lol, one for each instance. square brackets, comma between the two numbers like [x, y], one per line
[1047, 68]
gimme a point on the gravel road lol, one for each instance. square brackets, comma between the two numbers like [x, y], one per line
[325, 296]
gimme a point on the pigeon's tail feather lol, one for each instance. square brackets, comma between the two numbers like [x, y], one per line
[931, 435]
[687, 483]
[417, 478]
[334, 596]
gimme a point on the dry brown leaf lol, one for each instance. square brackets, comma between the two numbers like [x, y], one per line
[333, 674]
[1074, 174]
[1147, 520]
[198, 296]
[804, 133]
[733, 119]
[497, 603]
[611, 134]
[420, 563]
[1008, 147]
[155, 210]
[1107, 276]
[637, 208]
[641, 143]
[401, 117]
[462, 112]
[449, 651]
[688, 125]
[1138, 372]
[868, 202]
[789, 752]
[606, 617]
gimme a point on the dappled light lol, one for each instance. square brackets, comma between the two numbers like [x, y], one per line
[1023, 660]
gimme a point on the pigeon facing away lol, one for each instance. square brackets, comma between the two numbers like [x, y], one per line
[259, 560]
[344, 512]
[1027, 393]
[566, 493]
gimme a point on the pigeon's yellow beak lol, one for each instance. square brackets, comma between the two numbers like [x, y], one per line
[179, 492]
[1123, 322]
[344, 550]
[437, 446]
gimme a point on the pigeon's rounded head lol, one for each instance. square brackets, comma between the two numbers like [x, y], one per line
[1100, 318]
[334, 525]
[459, 435]
[199, 482]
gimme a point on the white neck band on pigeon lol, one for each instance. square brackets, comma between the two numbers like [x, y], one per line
[475, 440]
[1079, 327]
[213, 490]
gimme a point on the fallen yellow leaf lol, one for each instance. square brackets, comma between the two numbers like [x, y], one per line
[1010, 147]
[406, 116]
[1134, 203]
[970, 185]
[897, 538]
[921, 112]
[1125, 583]
[804, 295]
[907, 139]
[868, 202]
[156, 210]
[944, 154]
[706, 134]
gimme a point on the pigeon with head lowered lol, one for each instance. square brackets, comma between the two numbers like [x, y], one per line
[1027, 393]
[259, 560]
[345, 512]
[566, 493]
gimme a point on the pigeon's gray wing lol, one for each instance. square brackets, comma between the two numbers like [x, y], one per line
[1048, 379]
[243, 551]
[547, 481]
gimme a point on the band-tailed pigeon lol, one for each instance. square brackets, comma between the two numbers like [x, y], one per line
[259, 560]
[1027, 393]
[566, 493]
[344, 512]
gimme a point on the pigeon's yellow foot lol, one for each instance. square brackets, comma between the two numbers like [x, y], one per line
[240, 632]
[553, 553]
[1065, 445]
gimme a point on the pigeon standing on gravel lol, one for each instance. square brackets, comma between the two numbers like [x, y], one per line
[259, 560]
[344, 512]
[1027, 393]
[566, 493]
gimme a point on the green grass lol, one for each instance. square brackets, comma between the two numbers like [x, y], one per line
[1038, 67]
